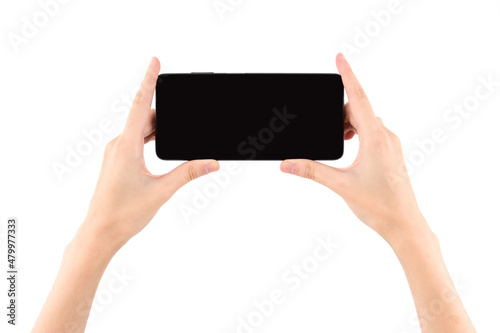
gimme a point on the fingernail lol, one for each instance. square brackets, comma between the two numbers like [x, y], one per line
[211, 167]
[288, 167]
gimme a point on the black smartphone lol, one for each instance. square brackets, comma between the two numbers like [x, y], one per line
[249, 116]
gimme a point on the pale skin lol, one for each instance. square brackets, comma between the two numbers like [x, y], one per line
[376, 187]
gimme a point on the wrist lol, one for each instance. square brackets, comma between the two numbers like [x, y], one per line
[408, 233]
[415, 242]
[90, 240]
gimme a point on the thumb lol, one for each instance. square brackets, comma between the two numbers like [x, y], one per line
[184, 173]
[331, 177]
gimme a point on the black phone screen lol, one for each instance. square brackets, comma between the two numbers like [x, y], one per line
[249, 116]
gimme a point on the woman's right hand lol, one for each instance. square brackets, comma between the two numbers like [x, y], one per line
[376, 186]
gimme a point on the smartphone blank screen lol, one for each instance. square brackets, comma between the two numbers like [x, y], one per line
[249, 116]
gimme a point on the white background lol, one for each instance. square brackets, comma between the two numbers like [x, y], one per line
[200, 277]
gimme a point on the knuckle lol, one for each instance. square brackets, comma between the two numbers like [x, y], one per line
[191, 173]
[119, 145]
[110, 145]
[395, 138]
[360, 92]
[139, 96]
[309, 172]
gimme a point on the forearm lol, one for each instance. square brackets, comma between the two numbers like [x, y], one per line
[68, 305]
[438, 304]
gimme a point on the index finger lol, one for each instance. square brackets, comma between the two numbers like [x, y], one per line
[362, 113]
[139, 116]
